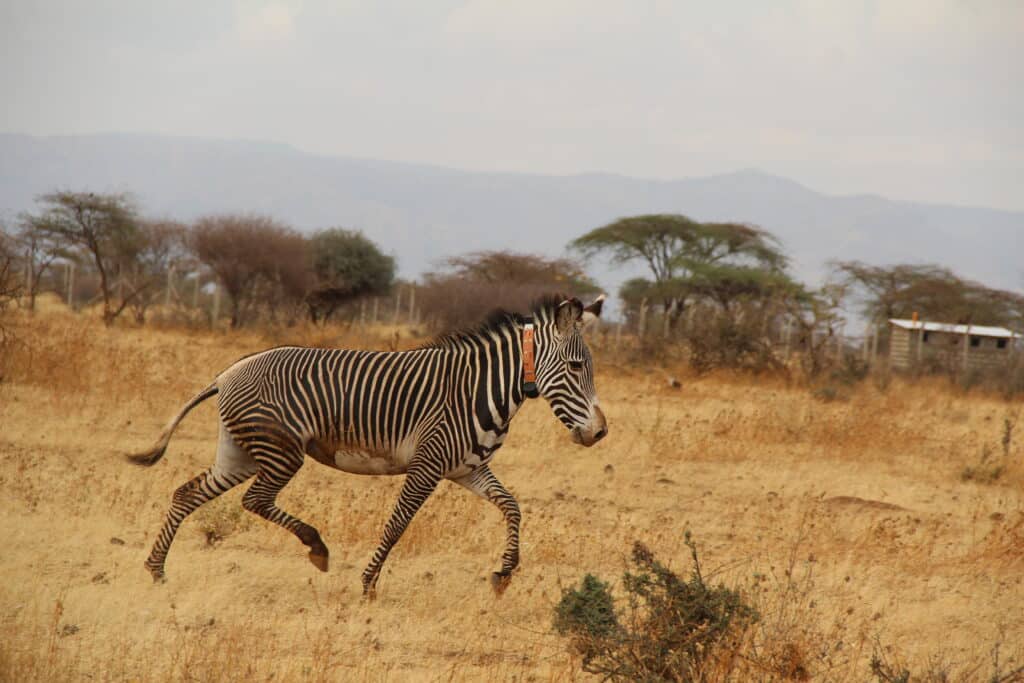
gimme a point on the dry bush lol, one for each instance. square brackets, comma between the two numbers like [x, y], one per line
[473, 285]
[725, 342]
[259, 262]
[1007, 381]
[670, 629]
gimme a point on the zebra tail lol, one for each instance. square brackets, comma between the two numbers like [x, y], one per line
[153, 455]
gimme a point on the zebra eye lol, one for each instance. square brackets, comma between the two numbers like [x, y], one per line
[576, 365]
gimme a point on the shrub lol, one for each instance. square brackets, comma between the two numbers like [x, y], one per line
[222, 518]
[670, 629]
[723, 342]
[472, 285]
[828, 394]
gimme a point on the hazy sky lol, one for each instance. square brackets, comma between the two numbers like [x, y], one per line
[916, 99]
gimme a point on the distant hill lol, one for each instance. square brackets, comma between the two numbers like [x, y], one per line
[422, 213]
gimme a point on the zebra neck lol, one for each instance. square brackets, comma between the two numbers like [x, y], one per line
[498, 364]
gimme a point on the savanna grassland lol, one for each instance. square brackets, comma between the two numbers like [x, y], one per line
[887, 523]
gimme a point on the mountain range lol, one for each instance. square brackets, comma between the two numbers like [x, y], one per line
[422, 213]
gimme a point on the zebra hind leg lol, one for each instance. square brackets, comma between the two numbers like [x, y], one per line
[276, 470]
[187, 498]
[483, 483]
[233, 466]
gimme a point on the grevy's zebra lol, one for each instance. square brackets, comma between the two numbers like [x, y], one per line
[438, 412]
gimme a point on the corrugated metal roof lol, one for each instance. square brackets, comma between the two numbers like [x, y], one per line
[976, 330]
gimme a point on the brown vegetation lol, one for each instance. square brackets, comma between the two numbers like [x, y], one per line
[848, 525]
[471, 285]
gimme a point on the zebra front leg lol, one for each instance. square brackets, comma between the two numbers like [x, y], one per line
[419, 484]
[483, 483]
[276, 470]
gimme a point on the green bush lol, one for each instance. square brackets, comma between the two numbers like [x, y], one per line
[669, 629]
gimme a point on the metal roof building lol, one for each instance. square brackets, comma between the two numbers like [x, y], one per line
[956, 346]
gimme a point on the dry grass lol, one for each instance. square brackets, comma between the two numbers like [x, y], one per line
[847, 523]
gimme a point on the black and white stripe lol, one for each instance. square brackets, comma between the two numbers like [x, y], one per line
[437, 412]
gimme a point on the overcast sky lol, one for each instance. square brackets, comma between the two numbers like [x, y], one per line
[915, 99]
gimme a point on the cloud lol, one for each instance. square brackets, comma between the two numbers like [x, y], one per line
[265, 22]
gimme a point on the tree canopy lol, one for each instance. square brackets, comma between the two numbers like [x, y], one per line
[689, 259]
[247, 253]
[105, 229]
[470, 285]
[933, 292]
[346, 265]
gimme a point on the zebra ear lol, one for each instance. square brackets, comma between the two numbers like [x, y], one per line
[592, 312]
[569, 311]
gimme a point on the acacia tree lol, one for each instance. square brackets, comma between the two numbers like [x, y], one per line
[105, 229]
[687, 258]
[932, 291]
[161, 248]
[10, 282]
[40, 249]
[346, 265]
[254, 258]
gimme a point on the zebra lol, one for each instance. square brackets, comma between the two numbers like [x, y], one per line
[437, 412]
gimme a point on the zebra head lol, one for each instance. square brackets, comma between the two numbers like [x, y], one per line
[565, 369]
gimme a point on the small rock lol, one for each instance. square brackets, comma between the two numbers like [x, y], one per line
[609, 470]
[114, 540]
[664, 480]
[100, 578]
[673, 383]
[69, 630]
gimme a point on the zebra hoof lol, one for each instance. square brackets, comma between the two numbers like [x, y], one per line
[157, 574]
[369, 594]
[319, 561]
[499, 582]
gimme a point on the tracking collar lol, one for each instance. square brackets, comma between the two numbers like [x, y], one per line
[529, 368]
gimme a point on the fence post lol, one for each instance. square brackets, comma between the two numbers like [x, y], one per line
[839, 346]
[643, 318]
[967, 346]
[170, 286]
[70, 274]
[874, 345]
[195, 292]
[920, 342]
[362, 311]
[216, 304]
[787, 337]
[412, 304]
[398, 305]
[376, 308]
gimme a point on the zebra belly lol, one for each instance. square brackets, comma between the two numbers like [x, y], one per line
[359, 461]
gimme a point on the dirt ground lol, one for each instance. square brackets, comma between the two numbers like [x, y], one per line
[854, 525]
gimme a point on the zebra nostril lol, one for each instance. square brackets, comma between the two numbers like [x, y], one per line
[600, 434]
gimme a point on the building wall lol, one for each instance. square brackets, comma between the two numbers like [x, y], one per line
[945, 349]
[900, 348]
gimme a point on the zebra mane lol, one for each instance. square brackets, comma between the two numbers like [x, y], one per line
[498, 319]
